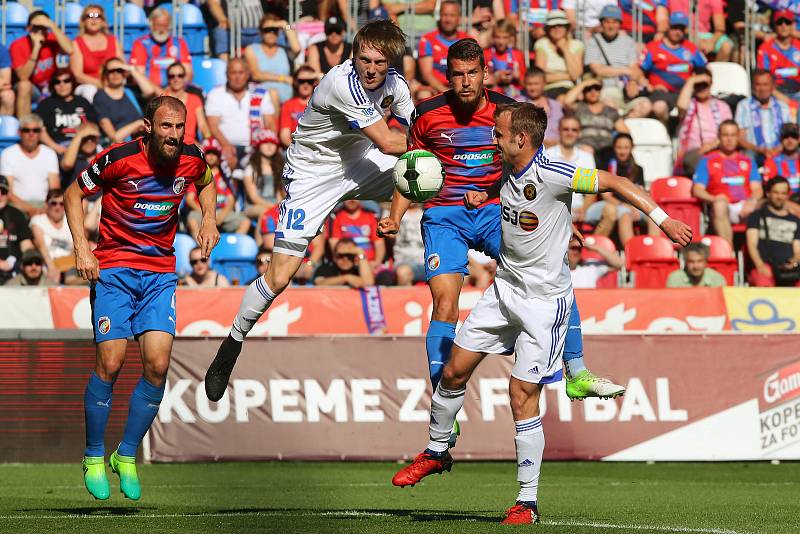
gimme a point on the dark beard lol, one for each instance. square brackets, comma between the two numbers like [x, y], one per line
[159, 155]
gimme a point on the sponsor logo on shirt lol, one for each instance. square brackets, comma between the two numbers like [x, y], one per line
[369, 111]
[153, 209]
[90, 185]
[733, 180]
[678, 67]
[474, 159]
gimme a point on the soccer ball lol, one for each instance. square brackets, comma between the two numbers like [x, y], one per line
[418, 175]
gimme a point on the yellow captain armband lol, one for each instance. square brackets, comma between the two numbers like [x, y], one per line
[584, 180]
[206, 178]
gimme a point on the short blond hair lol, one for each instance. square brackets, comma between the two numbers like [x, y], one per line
[382, 35]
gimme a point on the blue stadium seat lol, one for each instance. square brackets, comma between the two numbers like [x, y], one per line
[183, 245]
[235, 256]
[135, 26]
[208, 73]
[16, 16]
[73, 19]
[195, 32]
[107, 5]
[9, 131]
[48, 6]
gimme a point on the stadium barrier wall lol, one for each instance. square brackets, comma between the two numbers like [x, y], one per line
[405, 311]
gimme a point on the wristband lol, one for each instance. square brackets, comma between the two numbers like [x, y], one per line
[658, 215]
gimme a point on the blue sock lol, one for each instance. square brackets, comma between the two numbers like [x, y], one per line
[573, 345]
[142, 410]
[96, 408]
[438, 343]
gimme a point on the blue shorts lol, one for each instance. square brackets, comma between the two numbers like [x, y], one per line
[128, 302]
[450, 231]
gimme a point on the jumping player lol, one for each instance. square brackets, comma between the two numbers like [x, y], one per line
[457, 127]
[532, 293]
[340, 150]
[132, 272]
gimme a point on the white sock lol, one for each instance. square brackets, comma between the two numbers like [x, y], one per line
[530, 446]
[257, 298]
[445, 404]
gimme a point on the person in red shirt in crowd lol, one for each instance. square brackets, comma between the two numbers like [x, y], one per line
[195, 114]
[33, 59]
[727, 179]
[152, 54]
[781, 55]
[305, 80]
[361, 226]
[506, 63]
[433, 46]
[94, 45]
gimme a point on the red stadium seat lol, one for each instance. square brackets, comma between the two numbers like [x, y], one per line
[721, 257]
[674, 194]
[650, 259]
[600, 241]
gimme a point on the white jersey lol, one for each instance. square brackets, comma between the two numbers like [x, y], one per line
[537, 225]
[329, 131]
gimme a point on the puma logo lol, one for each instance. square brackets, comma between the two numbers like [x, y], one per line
[448, 137]
[135, 184]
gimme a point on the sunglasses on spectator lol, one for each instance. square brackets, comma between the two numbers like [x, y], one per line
[176, 76]
[55, 202]
[309, 81]
[94, 138]
[783, 21]
[39, 29]
[30, 130]
[60, 81]
[269, 29]
[790, 136]
[262, 261]
[93, 16]
[195, 262]
[119, 70]
[680, 27]
[702, 86]
[3, 191]
[32, 262]
[591, 88]
[351, 257]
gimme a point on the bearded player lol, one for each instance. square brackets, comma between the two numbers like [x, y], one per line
[532, 293]
[132, 275]
[457, 127]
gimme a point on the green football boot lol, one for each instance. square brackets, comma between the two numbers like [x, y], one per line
[587, 384]
[451, 441]
[94, 477]
[125, 467]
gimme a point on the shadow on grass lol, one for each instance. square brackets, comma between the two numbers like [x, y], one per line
[99, 510]
[412, 515]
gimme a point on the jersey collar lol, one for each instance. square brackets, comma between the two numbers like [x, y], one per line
[535, 157]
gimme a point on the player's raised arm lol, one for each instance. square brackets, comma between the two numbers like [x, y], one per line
[208, 236]
[677, 231]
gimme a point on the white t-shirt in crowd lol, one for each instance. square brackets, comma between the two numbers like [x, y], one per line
[234, 114]
[409, 247]
[586, 276]
[30, 175]
[580, 158]
[57, 240]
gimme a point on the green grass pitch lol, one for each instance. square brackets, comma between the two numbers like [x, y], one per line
[358, 497]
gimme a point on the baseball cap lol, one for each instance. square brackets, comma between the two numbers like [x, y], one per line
[4, 183]
[265, 136]
[30, 255]
[556, 17]
[679, 19]
[789, 129]
[211, 145]
[334, 25]
[783, 14]
[378, 13]
[611, 11]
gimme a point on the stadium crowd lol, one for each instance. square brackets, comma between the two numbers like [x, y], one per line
[72, 97]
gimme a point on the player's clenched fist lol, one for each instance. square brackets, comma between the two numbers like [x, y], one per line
[474, 199]
[86, 264]
[207, 237]
[388, 226]
[678, 231]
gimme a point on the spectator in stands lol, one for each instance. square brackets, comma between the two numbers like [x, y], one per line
[251, 13]
[711, 29]
[585, 275]
[668, 63]
[263, 258]
[506, 63]
[761, 117]
[334, 50]
[94, 45]
[350, 267]
[202, 274]
[33, 59]
[409, 248]
[589, 12]
[612, 57]
[118, 110]
[728, 181]
[786, 163]
[433, 46]
[271, 64]
[30, 167]
[152, 54]
[700, 116]
[655, 18]
[80, 151]
[7, 95]
[63, 112]
[361, 226]
[53, 239]
[305, 80]
[781, 55]
[15, 234]
[262, 182]
[228, 219]
[559, 56]
[32, 272]
[599, 122]
[195, 114]
[484, 21]
[695, 272]
[229, 110]
[773, 239]
[534, 93]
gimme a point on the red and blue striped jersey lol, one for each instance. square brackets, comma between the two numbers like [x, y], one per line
[140, 204]
[649, 9]
[784, 165]
[511, 60]
[727, 175]
[434, 45]
[670, 67]
[464, 145]
[783, 64]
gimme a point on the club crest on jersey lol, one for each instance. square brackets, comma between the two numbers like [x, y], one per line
[433, 262]
[528, 221]
[179, 185]
[529, 191]
[387, 101]
[103, 324]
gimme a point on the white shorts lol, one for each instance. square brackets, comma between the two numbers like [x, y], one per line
[311, 195]
[504, 321]
[735, 211]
